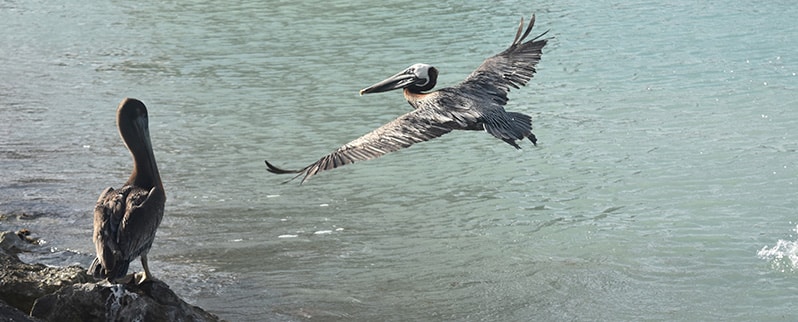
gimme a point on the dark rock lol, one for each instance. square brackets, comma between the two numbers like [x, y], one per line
[69, 294]
[14, 245]
[10, 313]
[25, 235]
[21, 284]
[150, 301]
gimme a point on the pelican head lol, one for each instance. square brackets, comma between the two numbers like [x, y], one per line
[132, 120]
[416, 78]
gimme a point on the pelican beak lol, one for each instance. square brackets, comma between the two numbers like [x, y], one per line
[401, 80]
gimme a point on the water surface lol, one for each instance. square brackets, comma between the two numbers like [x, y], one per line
[662, 187]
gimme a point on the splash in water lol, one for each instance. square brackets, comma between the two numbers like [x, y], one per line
[784, 255]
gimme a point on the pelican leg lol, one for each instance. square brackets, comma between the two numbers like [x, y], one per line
[146, 275]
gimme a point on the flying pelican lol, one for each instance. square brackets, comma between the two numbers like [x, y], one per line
[125, 219]
[475, 104]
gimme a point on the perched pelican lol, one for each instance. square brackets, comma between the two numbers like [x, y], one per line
[125, 219]
[475, 104]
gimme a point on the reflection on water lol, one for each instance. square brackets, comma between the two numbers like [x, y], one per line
[665, 159]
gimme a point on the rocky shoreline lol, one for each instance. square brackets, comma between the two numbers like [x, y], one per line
[37, 292]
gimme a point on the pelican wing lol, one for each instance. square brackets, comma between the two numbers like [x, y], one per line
[416, 126]
[144, 211]
[513, 67]
[108, 212]
[125, 221]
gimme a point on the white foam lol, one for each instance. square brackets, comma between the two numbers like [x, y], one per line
[784, 255]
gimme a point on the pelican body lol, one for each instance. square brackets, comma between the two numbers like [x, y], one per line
[477, 103]
[125, 219]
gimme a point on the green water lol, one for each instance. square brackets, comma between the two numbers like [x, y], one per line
[662, 187]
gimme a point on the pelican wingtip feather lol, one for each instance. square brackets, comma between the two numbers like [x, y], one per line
[274, 169]
[277, 170]
[521, 34]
